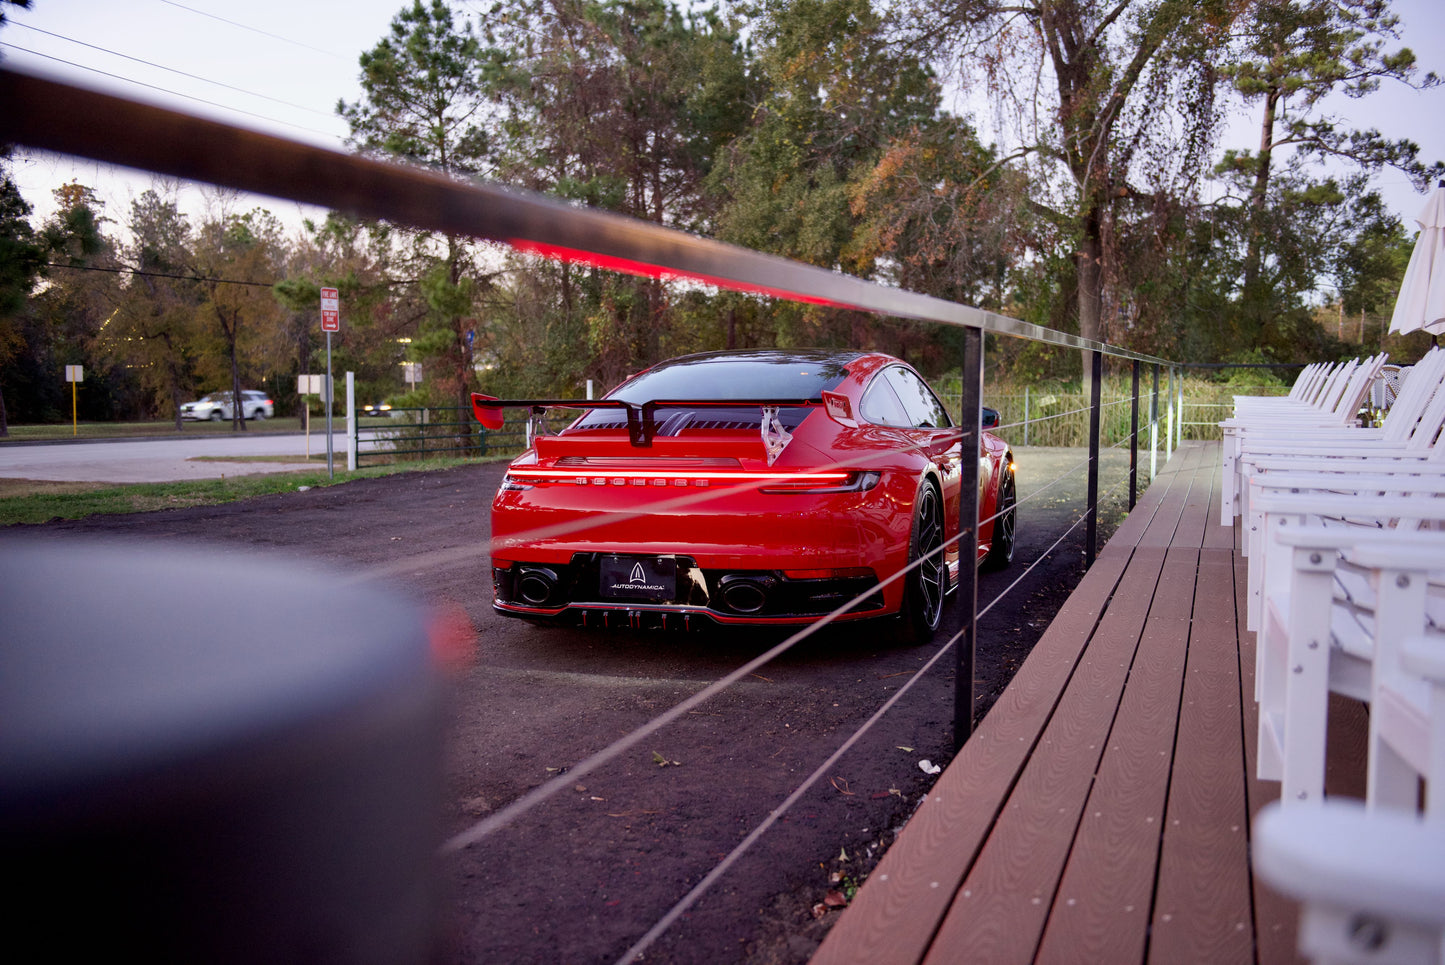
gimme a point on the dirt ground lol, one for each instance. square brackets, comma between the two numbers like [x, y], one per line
[582, 876]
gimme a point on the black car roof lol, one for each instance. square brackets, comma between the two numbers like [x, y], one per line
[783, 355]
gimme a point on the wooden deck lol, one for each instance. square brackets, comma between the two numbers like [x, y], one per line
[1101, 812]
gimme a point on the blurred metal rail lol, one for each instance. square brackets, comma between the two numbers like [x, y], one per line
[55, 116]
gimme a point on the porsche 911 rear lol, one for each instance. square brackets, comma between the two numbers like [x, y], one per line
[757, 487]
[587, 528]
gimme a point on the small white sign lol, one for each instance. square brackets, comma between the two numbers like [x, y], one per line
[412, 372]
[310, 384]
[75, 373]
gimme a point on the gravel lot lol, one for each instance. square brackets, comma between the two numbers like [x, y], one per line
[584, 875]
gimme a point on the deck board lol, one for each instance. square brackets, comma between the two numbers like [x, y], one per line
[1101, 811]
[1202, 908]
[1103, 904]
[1005, 899]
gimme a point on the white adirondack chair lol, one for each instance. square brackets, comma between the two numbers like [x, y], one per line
[1322, 631]
[1371, 884]
[1406, 438]
[1351, 491]
[1333, 413]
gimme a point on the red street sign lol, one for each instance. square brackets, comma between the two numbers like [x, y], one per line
[330, 310]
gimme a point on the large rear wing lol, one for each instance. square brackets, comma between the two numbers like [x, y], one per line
[641, 417]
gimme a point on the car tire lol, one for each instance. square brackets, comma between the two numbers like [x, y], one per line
[259, 415]
[1001, 546]
[217, 415]
[925, 586]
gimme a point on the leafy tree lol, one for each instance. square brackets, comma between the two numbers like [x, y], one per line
[22, 257]
[1110, 107]
[355, 260]
[38, 336]
[22, 4]
[850, 163]
[1296, 53]
[238, 258]
[622, 104]
[154, 331]
[422, 101]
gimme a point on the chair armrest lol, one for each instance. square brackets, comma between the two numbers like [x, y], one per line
[1386, 862]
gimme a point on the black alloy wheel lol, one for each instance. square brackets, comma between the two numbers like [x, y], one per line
[1001, 546]
[925, 585]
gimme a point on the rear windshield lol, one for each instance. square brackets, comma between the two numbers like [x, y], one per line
[720, 377]
[736, 377]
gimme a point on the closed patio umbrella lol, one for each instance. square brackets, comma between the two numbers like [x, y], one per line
[1421, 304]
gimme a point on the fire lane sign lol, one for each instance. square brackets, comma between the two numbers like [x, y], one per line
[330, 310]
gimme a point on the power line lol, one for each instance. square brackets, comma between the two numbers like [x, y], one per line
[160, 274]
[204, 80]
[256, 30]
[165, 90]
[222, 281]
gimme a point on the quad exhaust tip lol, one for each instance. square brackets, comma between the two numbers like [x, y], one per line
[746, 594]
[536, 585]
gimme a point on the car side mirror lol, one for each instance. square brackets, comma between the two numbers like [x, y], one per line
[988, 418]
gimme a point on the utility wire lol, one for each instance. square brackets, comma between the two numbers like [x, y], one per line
[165, 90]
[182, 73]
[222, 281]
[159, 274]
[255, 30]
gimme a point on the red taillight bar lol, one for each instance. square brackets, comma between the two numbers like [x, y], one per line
[739, 476]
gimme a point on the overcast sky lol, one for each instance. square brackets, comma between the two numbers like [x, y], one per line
[280, 66]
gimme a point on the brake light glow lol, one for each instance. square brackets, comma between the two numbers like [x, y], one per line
[663, 478]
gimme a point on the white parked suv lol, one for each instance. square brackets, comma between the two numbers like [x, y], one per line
[217, 406]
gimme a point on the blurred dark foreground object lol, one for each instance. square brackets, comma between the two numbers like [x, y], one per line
[206, 756]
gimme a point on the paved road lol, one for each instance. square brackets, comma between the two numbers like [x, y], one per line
[164, 460]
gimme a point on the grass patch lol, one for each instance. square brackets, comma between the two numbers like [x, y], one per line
[30, 501]
[154, 430]
[314, 457]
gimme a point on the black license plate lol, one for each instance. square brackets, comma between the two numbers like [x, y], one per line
[652, 579]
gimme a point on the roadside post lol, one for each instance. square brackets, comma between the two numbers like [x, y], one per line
[351, 427]
[330, 322]
[307, 385]
[74, 374]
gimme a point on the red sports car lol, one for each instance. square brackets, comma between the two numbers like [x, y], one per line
[744, 487]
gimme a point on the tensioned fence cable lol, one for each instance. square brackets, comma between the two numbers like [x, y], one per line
[495, 822]
[723, 866]
[500, 819]
[1037, 420]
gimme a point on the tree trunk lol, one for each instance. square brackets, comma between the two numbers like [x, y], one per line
[1259, 193]
[1089, 266]
[238, 411]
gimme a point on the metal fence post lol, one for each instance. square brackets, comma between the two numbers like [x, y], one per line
[1134, 437]
[1179, 419]
[1169, 419]
[971, 404]
[1091, 540]
[1154, 427]
[1026, 415]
